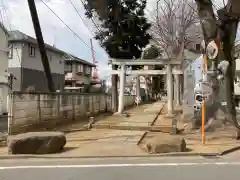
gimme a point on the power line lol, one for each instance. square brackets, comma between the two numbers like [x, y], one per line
[81, 17]
[66, 24]
[94, 23]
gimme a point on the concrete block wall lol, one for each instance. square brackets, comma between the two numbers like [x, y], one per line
[34, 109]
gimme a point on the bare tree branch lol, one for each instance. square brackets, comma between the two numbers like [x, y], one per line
[169, 28]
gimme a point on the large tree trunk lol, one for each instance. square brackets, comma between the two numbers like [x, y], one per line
[210, 32]
[228, 36]
[227, 31]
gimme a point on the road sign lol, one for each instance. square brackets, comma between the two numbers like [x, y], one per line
[212, 50]
[203, 88]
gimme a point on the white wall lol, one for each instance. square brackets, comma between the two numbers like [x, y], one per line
[3, 56]
[237, 64]
[29, 109]
[56, 61]
[3, 70]
[15, 60]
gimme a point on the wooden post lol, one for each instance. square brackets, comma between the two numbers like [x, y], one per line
[42, 49]
[39, 108]
[114, 90]
[73, 108]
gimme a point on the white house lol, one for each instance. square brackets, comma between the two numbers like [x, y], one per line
[3, 68]
[78, 73]
[26, 65]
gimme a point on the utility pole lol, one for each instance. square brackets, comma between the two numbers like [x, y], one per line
[39, 36]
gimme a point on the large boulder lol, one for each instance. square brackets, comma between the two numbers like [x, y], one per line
[36, 143]
[165, 144]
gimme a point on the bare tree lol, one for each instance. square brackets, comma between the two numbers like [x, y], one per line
[171, 23]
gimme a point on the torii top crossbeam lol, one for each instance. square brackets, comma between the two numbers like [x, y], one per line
[146, 62]
[162, 61]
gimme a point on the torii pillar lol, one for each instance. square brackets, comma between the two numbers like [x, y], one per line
[170, 89]
[121, 89]
[169, 71]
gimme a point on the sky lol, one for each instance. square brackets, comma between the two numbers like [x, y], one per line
[16, 15]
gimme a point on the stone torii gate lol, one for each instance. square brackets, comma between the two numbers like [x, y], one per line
[169, 71]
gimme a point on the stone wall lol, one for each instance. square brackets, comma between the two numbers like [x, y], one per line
[35, 109]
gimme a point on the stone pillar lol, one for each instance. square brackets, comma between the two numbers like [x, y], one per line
[137, 86]
[121, 90]
[147, 87]
[177, 82]
[114, 90]
[170, 89]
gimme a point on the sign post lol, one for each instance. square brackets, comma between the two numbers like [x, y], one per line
[203, 107]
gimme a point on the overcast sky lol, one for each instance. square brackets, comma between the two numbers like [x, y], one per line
[15, 15]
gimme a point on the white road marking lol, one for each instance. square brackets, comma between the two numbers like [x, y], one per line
[116, 165]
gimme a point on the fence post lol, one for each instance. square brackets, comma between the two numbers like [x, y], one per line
[99, 103]
[58, 105]
[83, 105]
[106, 102]
[39, 108]
[10, 102]
[93, 107]
[73, 108]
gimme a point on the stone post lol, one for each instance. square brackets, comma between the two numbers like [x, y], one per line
[121, 89]
[170, 89]
[137, 86]
[178, 96]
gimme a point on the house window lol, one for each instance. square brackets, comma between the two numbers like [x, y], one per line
[80, 68]
[10, 52]
[88, 70]
[32, 50]
[198, 47]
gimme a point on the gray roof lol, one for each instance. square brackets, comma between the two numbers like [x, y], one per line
[4, 29]
[71, 58]
[18, 36]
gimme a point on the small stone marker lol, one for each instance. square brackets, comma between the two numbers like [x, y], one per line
[138, 100]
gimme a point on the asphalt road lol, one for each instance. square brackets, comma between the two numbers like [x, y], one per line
[117, 169]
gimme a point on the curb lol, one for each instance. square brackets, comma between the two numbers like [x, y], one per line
[75, 130]
[231, 150]
[179, 154]
[173, 154]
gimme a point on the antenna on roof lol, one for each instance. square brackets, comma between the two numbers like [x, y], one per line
[54, 37]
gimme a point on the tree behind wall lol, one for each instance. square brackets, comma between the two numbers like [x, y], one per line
[123, 29]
